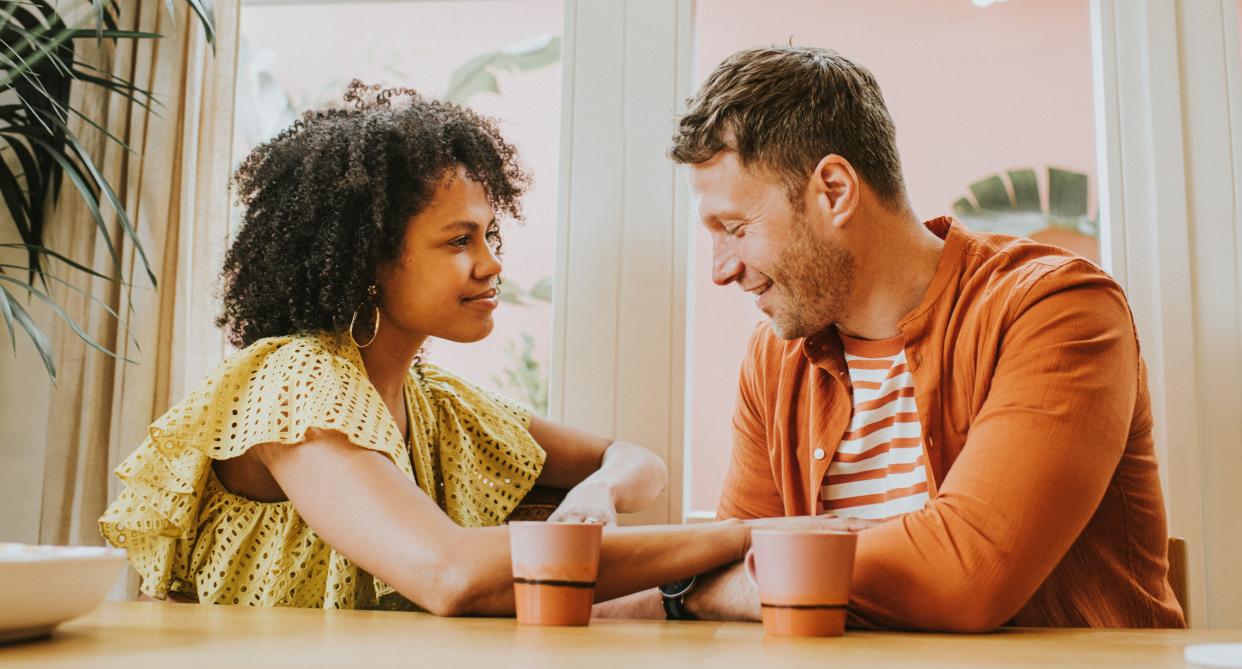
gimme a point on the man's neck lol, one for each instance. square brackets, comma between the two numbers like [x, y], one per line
[893, 276]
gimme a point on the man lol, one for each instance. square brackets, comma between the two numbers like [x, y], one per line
[974, 405]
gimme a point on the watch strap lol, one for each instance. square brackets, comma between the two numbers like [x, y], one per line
[674, 597]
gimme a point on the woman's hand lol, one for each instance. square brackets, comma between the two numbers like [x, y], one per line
[588, 502]
[605, 478]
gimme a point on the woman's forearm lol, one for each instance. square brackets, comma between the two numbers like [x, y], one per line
[358, 502]
[637, 558]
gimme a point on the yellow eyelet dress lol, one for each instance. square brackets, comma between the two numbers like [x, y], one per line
[469, 450]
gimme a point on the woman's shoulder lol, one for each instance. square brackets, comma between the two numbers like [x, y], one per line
[311, 347]
[276, 375]
[276, 388]
[441, 382]
[294, 357]
[436, 376]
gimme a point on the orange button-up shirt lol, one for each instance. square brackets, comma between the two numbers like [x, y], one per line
[1046, 507]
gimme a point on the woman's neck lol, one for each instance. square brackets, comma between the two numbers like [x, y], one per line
[388, 359]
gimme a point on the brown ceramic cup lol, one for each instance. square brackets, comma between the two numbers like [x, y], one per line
[554, 570]
[803, 580]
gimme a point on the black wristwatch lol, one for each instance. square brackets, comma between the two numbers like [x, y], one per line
[674, 595]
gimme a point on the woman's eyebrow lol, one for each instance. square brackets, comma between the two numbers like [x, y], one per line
[469, 226]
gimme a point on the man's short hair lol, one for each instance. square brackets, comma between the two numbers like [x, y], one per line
[785, 108]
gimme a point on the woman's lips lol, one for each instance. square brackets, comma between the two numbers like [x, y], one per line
[486, 300]
[490, 292]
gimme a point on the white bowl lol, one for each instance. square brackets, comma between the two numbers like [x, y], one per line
[43, 586]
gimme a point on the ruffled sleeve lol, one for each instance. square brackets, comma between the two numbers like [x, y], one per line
[481, 444]
[271, 392]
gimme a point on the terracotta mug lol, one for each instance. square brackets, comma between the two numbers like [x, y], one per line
[554, 570]
[803, 580]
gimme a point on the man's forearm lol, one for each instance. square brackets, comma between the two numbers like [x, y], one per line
[724, 594]
[644, 605]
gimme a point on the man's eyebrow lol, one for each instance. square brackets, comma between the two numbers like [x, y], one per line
[721, 211]
[727, 218]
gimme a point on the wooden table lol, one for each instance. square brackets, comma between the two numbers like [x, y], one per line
[135, 634]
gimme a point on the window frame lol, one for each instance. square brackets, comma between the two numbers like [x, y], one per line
[1169, 215]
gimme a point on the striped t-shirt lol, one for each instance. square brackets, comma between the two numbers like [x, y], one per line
[879, 470]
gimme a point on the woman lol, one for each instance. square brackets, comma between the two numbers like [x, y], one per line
[325, 464]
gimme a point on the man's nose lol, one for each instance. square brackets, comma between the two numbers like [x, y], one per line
[726, 268]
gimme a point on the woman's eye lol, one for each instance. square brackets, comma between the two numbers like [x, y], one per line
[461, 242]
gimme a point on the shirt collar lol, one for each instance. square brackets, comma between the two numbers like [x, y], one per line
[824, 349]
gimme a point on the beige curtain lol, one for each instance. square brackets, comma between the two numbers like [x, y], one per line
[175, 187]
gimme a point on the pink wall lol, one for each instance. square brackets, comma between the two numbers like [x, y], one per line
[973, 91]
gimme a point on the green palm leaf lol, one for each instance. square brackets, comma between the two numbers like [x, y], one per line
[39, 149]
[206, 16]
[64, 315]
[36, 250]
[7, 311]
[13, 310]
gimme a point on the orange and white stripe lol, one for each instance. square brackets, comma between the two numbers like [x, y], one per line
[879, 470]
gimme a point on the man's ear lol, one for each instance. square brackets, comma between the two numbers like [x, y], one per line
[834, 189]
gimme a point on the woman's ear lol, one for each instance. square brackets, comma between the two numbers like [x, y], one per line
[383, 273]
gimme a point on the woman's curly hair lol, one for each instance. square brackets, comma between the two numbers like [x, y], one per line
[330, 197]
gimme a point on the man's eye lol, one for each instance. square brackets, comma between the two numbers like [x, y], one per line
[461, 242]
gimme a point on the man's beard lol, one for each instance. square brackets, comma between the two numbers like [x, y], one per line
[813, 279]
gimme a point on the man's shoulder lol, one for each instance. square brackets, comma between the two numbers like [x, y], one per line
[1013, 271]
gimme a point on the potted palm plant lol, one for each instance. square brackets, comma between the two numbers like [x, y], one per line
[1013, 205]
[40, 65]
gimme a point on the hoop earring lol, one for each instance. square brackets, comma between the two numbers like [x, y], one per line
[372, 291]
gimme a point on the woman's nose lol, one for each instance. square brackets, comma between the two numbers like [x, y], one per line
[489, 266]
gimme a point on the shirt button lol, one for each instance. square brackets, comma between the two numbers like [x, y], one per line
[819, 454]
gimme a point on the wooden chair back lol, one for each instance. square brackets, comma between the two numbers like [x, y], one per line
[1179, 572]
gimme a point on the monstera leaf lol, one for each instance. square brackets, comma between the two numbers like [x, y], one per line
[513, 293]
[478, 74]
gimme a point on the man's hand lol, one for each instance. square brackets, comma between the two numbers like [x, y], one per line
[726, 594]
[588, 502]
